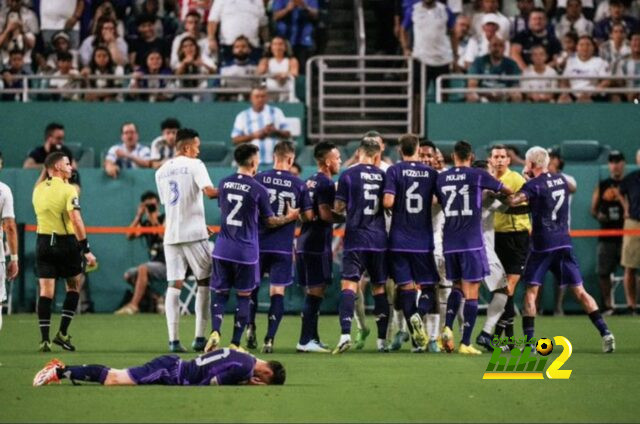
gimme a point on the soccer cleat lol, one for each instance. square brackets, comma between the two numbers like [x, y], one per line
[382, 346]
[439, 343]
[198, 344]
[127, 309]
[400, 338]
[432, 346]
[343, 345]
[252, 340]
[48, 374]
[239, 348]
[64, 342]
[45, 346]
[485, 342]
[213, 343]
[418, 349]
[361, 337]
[608, 343]
[268, 346]
[322, 345]
[417, 331]
[312, 347]
[447, 340]
[468, 350]
[176, 347]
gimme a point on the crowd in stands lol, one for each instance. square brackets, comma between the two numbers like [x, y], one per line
[90, 43]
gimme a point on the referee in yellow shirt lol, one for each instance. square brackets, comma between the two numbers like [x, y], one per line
[512, 229]
[60, 246]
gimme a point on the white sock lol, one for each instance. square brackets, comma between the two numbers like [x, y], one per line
[398, 317]
[172, 311]
[443, 296]
[432, 325]
[202, 310]
[359, 311]
[494, 311]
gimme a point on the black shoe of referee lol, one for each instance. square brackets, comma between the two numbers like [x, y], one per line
[64, 342]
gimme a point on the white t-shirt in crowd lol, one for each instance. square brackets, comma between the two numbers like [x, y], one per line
[539, 84]
[504, 25]
[238, 17]
[594, 67]
[249, 121]
[180, 182]
[431, 42]
[54, 14]
[6, 211]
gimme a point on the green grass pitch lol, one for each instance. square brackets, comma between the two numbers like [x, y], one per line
[355, 387]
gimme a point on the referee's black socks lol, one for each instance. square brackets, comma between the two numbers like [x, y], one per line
[44, 316]
[68, 310]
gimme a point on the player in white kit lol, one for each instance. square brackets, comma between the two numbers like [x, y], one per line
[7, 219]
[181, 181]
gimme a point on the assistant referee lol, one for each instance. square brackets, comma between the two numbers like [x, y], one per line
[60, 246]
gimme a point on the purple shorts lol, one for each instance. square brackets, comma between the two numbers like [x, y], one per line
[314, 269]
[417, 267]
[228, 274]
[471, 265]
[279, 266]
[356, 262]
[561, 262]
[161, 370]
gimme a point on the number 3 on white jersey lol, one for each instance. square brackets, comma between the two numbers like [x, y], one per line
[236, 200]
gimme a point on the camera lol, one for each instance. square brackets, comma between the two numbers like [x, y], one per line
[151, 208]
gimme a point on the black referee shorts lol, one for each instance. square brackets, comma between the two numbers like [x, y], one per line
[61, 259]
[512, 249]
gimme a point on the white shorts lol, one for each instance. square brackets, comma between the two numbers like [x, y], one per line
[3, 276]
[497, 278]
[195, 254]
[439, 258]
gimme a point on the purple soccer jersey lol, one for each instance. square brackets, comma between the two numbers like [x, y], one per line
[548, 196]
[413, 184]
[459, 192]
[243, 201]
[316, 236]
[361, 188]
[219, 367]
[283, 188]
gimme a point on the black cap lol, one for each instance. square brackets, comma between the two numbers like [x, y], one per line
[616, 156]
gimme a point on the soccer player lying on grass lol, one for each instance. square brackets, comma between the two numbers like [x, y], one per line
[216, 368]
[551, 247]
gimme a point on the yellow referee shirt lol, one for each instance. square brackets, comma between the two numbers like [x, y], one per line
[505, 222]
[52, 201]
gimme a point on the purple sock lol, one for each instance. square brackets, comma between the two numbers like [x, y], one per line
[254, 307]
[470, 312]
[381, 312]
[309, 318]
[93, 373]
[241, 319]
[347, 305]
[598, 321]
[427, 300]
[276, 311]
[453, 304]
[408, 302]
[218, 305]
[528, 326]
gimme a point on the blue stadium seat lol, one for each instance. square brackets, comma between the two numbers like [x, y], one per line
[84, 156]
[583, 151]
[215, 153]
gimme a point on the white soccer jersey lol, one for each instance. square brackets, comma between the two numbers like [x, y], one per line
[6, 211]
[180, 182]
[489, 206]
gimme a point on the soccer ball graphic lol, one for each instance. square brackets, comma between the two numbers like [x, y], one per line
[544, 347]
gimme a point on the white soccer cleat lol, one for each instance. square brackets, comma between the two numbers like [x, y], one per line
[343, 345]
[48, 374]
[608, 343]
[311, 347]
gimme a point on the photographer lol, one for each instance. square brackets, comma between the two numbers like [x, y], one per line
[154, 271]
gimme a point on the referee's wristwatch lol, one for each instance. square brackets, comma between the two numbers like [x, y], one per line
[84, 246]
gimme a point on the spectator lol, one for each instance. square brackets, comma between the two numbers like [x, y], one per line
[604, 27]
[163, 147]
[61, 43]
[166, 23]
[146, 41]
[146, 77]
[18, 30]
[241, 66]
[630, 196]
[539, 68]
[631, 8]
[61, 15]
[192, 29]
[106, 35]
[295, 22]
[153, 271]
[53, 142]
[616, 48]
[261, 124]
[587, 7]
[102, 64]
[494, 63]
[490, 6]
[12, 75]
[281, 69]
[462, 35]
[630, 67]
[537, 34]
[201, 7]
[569, 44]
[192, 62]
[479, 45]
[520, 22]
[584, 64]
[65, 77]
[607, 209]
[128, 154]
[106, 9]
[235, 18]
[573, 21]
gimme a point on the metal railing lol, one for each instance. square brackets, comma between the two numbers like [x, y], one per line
[346, 95]
[34, 85]
[441, 91]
